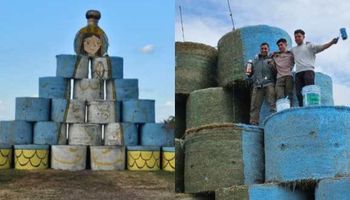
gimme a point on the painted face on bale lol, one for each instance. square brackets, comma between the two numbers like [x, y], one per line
[92, 45]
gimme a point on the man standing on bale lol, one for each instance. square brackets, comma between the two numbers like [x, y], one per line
[283, 62]
[262, 74]
[304, 57]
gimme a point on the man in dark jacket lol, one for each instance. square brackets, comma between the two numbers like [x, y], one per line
[263, 77]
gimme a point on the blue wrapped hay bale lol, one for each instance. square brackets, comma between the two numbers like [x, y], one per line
[54, 87]
[121, 134]
[68, 110]
[122, 89]
[32, 109]
[157, 134]
[72, 66]
[106, 68]
[50, 133]
[239, 46]
[336, 188]
[16, 132]
[307, 144]
[235, 149]
[261, 192]
[138, 111]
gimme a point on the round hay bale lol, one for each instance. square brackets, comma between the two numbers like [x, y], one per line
[326, 84]
[72, 66]
[88, 89]
[261, 191]
[54, 87]
[107, 67]
[237, 47]
[222, 155]
[179, 165]
[103, 111]
[336, 188]
[50, 133]
[122, 89]
[168, 159]
[143, 158]
[121, 134]
[157, 134]
[16, 132]
[5, 156]
[68, 110]
[32, 109]
[68, 157]
[107, 157]
[206, 106]
[138, 111]
[85, 134]
[307, 144]
[195, 67]
[31, 156]
[180, 115]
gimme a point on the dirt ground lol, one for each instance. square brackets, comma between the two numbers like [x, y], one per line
[86, 185]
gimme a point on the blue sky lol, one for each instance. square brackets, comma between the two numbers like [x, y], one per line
[206, 21]
[33, 32]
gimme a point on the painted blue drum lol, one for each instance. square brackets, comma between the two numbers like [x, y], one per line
[143, 148]
[72, 66]
[54, 87]
[123, 89]
[307, 143]
[337, 188]
[33, 147]
[138, 111]
[32, 109]
[16, 132]
[47, 133]
[157, 134]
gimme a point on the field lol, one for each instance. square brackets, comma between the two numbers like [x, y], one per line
[64, 185]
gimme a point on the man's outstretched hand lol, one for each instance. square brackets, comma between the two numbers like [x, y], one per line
[335, 40]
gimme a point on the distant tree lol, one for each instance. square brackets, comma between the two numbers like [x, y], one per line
[170, 122]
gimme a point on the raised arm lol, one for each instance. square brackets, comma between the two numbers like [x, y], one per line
[329, 44]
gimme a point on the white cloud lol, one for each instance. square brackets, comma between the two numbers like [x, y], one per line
[207, 21]
[169, 103]
[341, 97]
[147, 49]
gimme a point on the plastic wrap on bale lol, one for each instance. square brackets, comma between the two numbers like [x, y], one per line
[307, 144]
[239, 46]
[261, 192]
[336, 188]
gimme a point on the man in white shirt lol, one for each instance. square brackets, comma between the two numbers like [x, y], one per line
[304, 58]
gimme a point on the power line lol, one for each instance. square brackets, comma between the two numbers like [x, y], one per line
[229, 8]
[182, 25]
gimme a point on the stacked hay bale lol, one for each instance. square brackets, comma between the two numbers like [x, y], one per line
[98, 123]
[229, 158]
